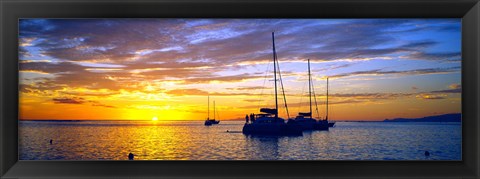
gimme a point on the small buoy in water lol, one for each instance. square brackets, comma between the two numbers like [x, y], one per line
[130, 156]
[51, 141]
[427, 153]
[227, 131]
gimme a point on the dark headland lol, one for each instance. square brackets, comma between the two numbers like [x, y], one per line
[455, 117]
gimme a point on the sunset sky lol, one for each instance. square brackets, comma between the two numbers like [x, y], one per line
[140, 69]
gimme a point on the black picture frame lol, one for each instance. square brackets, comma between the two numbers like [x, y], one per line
[12, 10]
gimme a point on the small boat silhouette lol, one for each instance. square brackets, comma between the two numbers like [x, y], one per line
[305, 120]
[208, 121]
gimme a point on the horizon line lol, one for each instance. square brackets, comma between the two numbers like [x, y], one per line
[238, 119]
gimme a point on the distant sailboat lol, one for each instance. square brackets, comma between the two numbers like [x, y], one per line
[305, 119]
[330, 124]
[208, 121]
[268, 122]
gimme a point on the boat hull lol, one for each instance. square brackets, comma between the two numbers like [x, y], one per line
[321, 125]
[211, 122]
[304, 125]
[331, 124]
[208, 123]
[309, 125]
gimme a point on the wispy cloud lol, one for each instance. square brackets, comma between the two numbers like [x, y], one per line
[231, 78]
[197, 92]
[248, 88]
[431, 96]
[79, 101]
[424, 71]
[453, 88]
[69, 100]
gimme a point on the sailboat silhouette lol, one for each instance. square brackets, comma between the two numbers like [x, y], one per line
[268, 122]
[305, 120]
[208, 121]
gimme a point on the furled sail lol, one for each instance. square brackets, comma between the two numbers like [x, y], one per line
[268, 110]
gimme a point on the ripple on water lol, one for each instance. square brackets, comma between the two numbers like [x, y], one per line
[191, 140]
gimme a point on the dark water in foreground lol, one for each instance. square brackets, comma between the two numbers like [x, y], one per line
[191, 140]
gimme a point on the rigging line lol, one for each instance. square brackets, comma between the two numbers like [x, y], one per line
[299, 107]
[218, 115]
[315, 98]
[283, 89]
[277, 66]
[263, 86]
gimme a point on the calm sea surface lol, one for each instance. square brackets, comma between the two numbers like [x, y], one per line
[191, 140]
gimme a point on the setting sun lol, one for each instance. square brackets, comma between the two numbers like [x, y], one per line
[155, 118]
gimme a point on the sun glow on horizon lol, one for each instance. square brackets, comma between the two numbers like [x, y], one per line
[155, 118]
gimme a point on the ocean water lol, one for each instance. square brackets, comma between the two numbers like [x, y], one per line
[191, 140]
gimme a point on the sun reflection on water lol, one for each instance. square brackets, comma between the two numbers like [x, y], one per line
[191, 140]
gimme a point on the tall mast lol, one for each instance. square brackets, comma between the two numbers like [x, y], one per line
[208, 117]
[310, 87]
[326, 118]
[275, 75]
[214, 110]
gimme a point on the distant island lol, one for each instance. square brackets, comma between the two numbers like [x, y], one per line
[455, 117]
